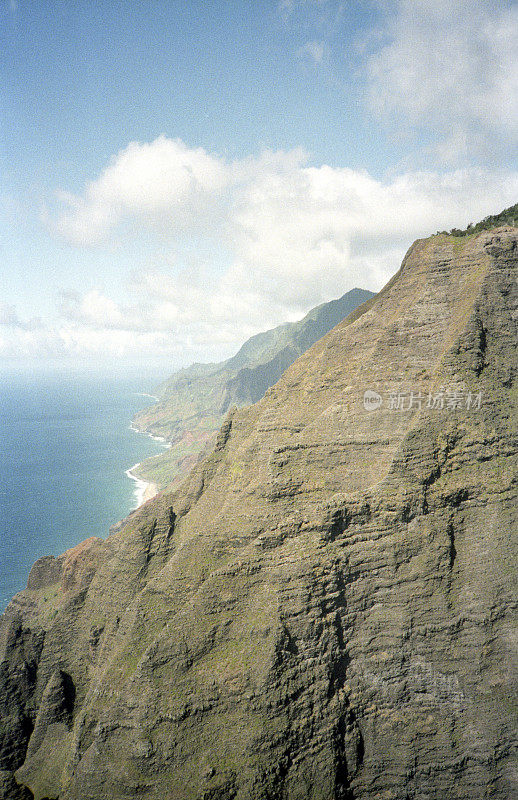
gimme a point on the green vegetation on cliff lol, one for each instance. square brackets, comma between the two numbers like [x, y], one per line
[509, 216]
[194, 401]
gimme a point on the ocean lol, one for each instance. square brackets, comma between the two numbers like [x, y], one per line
[65, 446]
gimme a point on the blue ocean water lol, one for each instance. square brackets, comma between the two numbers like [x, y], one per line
[65, 443]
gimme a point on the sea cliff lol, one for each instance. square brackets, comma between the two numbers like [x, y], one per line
[325, 608]
[194, 401]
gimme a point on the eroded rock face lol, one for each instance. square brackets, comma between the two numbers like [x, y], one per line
[194, 401]
[324, 610]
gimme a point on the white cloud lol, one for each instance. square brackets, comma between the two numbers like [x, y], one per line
[449, 68]
[8, 315]
[164, 183]
[79, 342]
[93, 309]
[281, 237]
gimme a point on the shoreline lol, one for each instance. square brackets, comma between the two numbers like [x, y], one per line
[162, 439]
[144, 490]
[145, 394]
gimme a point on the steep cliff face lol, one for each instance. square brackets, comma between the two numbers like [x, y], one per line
[194, 401]
[324, 609]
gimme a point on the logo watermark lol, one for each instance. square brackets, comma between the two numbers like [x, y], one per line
[444, 399]
[372, 400]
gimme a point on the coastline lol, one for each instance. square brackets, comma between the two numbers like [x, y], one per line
[145, 394]
[90, 413]
[144, 490]
[161, 439]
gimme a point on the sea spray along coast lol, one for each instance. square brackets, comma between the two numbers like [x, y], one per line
[144, 490]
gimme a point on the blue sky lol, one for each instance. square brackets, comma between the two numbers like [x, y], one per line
[176, 176]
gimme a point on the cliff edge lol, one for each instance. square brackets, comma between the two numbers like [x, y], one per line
[325, 609]
[194, 401]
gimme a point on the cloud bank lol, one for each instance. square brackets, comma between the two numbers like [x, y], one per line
[245, 245]
[448, 68]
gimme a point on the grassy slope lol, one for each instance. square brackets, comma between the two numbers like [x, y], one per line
[194, 401]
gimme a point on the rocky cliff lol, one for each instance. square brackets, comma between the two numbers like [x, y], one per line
[324, 609]
[193, 402]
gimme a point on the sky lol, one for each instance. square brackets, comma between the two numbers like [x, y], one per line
[177, 175]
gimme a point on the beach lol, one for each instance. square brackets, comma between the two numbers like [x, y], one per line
[144, 490]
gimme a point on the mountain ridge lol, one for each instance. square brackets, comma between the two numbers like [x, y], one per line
[193, 402]
[324, 609]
